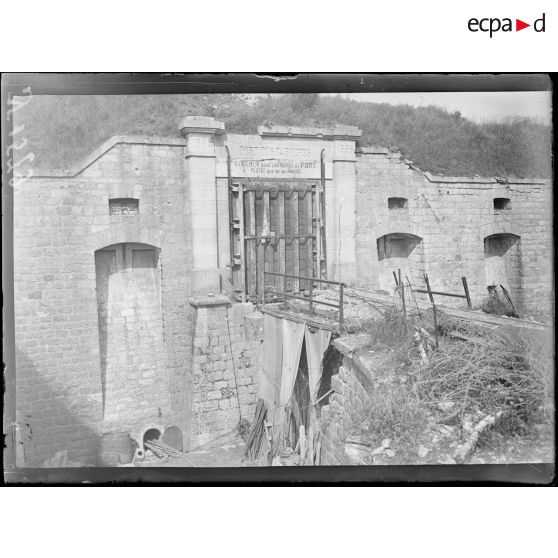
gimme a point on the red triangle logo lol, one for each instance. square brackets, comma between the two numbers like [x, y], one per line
[519, 25]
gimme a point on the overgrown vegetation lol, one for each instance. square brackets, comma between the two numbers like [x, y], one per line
[62, 129]
[463, 379]
[487, 376]
[394, 413]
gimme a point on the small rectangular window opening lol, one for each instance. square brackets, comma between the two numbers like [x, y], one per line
[397, 203]
[502, 204]
[123, 206]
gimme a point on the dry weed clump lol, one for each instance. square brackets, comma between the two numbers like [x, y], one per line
[393, 332]
[487, 376]
[395, 413]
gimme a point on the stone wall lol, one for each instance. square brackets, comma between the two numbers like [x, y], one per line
[453, 216]
[225, 368]
[60, 221]
[352, 387]
[178, 192]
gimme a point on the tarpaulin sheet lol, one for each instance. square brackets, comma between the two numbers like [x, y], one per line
[272, 359]
[317, 341]
[293, 336]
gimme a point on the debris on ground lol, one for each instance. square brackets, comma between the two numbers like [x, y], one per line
[259, 440]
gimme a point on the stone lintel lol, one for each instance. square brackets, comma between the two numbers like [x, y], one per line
[209, 301]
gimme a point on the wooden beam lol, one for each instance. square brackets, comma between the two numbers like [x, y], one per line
[240, 209]
[295, 240]
[281, 231]
[251, 261]
[266, 213]
[310, 244]
[316, 199]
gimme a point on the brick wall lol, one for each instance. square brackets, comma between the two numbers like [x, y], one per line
[453, 216]
[225, 368]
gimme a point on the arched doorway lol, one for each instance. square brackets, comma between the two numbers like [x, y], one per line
[399, 251]
[503, 265]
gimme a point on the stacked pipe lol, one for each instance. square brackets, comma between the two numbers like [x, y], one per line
[160, 449]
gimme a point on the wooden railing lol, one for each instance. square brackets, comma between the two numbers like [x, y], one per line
[284, 295]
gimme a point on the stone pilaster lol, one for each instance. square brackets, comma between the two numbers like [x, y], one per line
[200, 160]
[341, 212]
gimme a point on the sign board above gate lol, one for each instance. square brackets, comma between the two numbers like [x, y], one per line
[292, 158]
[284, 168]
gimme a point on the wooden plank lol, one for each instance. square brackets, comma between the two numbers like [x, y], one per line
[298, 186]
[240, 210]
[467, 295]
[316, 199]
[266, 214]
[260, 246]
[279, 236]
[309, 271]
[251, 262]
[281, 229]
[266, 232]
[312, 321]
[295, 240]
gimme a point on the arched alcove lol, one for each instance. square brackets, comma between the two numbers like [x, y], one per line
[131, 346]
[503, 265]
[151, 435]
[399, 251]
[172, 436]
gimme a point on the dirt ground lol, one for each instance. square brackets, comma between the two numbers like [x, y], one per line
[436, 447]
[231, 455]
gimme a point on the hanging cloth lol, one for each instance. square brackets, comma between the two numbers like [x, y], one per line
[272, 360]
[293, 336]
[317, 341]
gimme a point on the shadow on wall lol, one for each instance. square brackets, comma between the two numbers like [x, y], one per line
[399, 251]
[47, 422]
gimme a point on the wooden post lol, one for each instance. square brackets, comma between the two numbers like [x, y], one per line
[310, 295]
[466, 287]
[433, 308]
[242, 241]
[413, 295]
[296, 240]
[281, 229]
[266, 211]
[266, 232]
[402, 290]
[251, 262]
[395, 277]
[315, 196]
[341, 316]
[309, 267]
